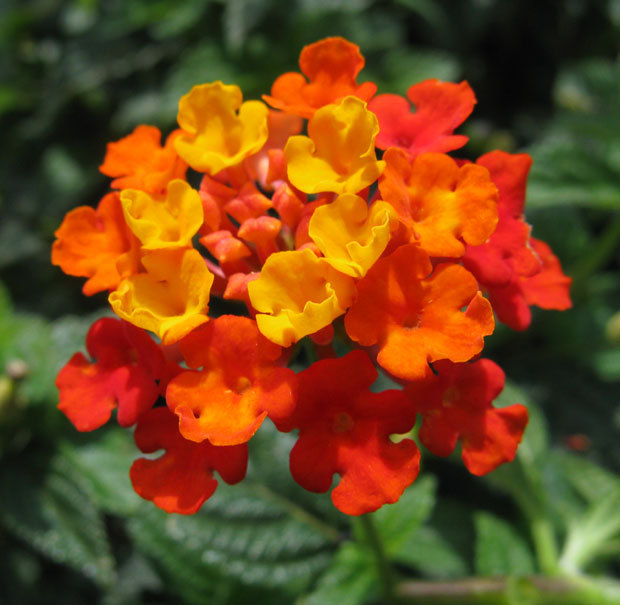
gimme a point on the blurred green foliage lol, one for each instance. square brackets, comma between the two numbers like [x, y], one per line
[77, 74]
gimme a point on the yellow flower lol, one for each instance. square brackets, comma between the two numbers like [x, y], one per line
[171, 298]
[297, 294]
[168, 223]
[216, 136]
[339, 154]
[351, 235]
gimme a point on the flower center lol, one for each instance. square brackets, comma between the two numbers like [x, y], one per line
[342, 423]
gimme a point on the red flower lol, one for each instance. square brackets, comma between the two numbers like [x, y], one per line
[128, 365]
[507, 251]
[344, 428]
[440, 107]
[182, 479]
[456, 405]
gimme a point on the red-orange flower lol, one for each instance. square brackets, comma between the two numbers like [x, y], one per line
[344, 428]
[444, 206]
[456, 404]
[507, 252]
[182, 479]
[124, 376]
[415, 314]
[239, 385]
[440, 107]
[138, 161]
[548, 289]
[331, 67]
[90, 243]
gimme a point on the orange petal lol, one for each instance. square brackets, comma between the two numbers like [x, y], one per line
[331, 66]
[239, 385]
[444, 206]
[416, 318]
[90, 242]
[138, 161]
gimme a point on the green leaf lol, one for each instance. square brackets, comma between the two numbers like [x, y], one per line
[103, 466]
[398, 523]
[55, 516]
[592, 482]
[578, 161]
[500, 550]
[434, 556]
[350, 580]
[31, 339]
[594, 534]
[404, 67]
[134, 576]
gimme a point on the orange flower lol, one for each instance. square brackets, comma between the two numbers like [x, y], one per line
[416, 317]
[345, 428]
[238, 386]
[338, 154]
[331, 66]
[182, 479]
[281, 126]
[230, 252]
[444, 206]
[138, 161]
[456, 404]
[90, 243]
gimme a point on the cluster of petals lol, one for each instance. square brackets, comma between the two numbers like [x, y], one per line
[323, 213]
[456, 405]
[516, 270]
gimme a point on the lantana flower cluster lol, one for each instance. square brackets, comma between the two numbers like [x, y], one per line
[327, 212]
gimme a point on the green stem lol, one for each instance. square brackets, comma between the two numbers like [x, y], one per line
[384, 569]
[545, 545]
[541, 590]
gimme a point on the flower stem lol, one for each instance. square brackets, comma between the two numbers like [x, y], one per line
[384, 569]
[541, 590]
[545, 545]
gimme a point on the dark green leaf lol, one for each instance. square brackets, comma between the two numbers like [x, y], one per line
[103, 466]
[54, 515]
[350, 580]
[500, 550]
[399, 523]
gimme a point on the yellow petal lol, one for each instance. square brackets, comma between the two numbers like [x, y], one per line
[168, 223]
[216, 135]
[350, 235]
[297, 294]
[170, 299]
[339, 153]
